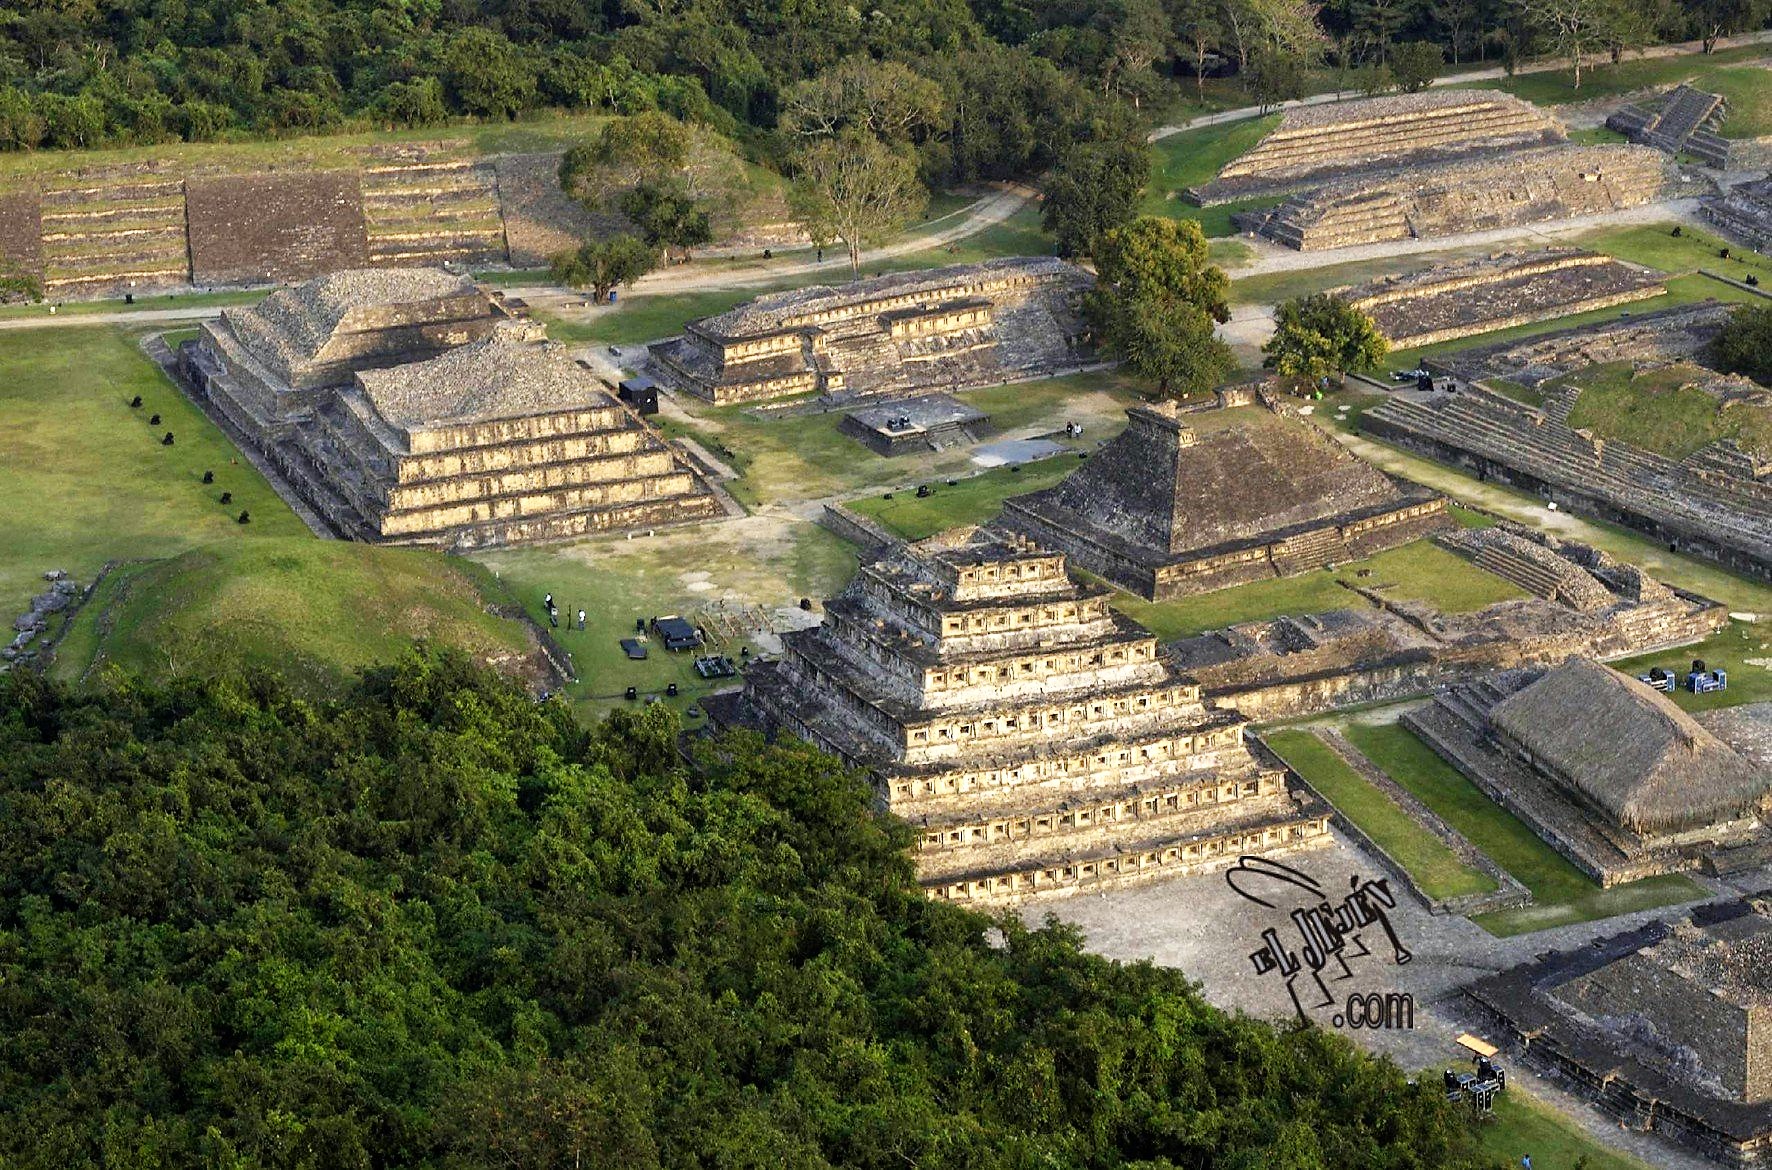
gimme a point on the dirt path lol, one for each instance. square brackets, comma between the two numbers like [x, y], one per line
[1464, 77]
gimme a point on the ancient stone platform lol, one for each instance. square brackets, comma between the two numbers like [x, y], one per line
[1684, 120]
[943, 328]
[1469, 195]
[1667, 1027]
[246, 229]
[1583, 602]
[1032, 735]
[1315, 143]
[1715, 504]
[1470, 297]
[903, 426]
[1744, 213]
[1165, 511]
[1609, 771]
[1679, 333]
[403, 408]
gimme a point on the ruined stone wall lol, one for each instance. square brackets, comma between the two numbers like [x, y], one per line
[1681, 1012]
[248, 229]
[21, 232]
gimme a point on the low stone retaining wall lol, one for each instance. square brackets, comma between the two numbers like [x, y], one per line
[857, 529]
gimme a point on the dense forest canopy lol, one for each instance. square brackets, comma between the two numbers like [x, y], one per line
[436, 923]
[82, 73]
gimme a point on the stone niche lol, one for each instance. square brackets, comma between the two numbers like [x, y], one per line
[274, 227]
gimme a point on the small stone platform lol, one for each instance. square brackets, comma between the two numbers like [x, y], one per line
[932, 422]
[1684, 120]
[1744, 213]
[1478, 296]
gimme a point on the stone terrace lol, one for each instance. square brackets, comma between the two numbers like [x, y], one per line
[1658, 337]
[1032, 734]
[1744, 213]
[1682, 120]
[1480, 194]
[1693, 506]
[1665, 1027]
[1165, 511]
[1498, 292]
[944, 328]
[1584, 602]
[1313, 143]
[506, 440]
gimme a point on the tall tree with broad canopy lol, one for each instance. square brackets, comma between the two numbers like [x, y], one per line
[1156, 299]
[1322, 336]
[600, 265]
[1094, 188]
[854, 188]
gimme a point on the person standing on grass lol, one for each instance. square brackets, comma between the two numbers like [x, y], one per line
[581, 621]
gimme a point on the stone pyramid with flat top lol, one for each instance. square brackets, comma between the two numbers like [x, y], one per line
[1166, 511]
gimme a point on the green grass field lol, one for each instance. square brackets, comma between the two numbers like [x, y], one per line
[1743, 649]
[1728, 72]
[1561, 893]
[789, 458]
[314, 610]
[1521, 1125]
[1660, 410]
[974, 500]
[1419, 571]
[1194, 157]
[143, 303]
[768, 563]
[1436, 871]
[86, 478]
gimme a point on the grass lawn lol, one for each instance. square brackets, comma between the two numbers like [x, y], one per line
[1435, 869]
[1721, 72]
[1562, 894]
[1270, 288]
[1743, 649]
[1418, 571]
[143, 303]
[1521, 1125]
[1194, 157]
[86, 478]
[1596, 136]
[1659, 410]
[789, 458]
[969, 501]
[1655, 245]
[315, 610]
[764, 563]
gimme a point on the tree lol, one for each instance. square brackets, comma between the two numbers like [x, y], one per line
[1415, 64]
[854, 188]
[668, 214]
[626, 152]
[1570, 28]
[1745, 344]
[1319, 336]
[1275, 76]
[1715, 19]
[486, 74]
[1200, 32]
[885, 98]
[600, 265]
[1094, 188]
[1155, 301]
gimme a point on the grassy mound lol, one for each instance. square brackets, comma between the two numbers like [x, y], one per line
[315, 610]
[1662, 411]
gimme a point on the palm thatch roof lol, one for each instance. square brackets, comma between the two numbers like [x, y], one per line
[1629, 750]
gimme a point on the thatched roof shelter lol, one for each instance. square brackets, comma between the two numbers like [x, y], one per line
[1629, 751]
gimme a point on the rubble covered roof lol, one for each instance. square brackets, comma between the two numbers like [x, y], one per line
[1163, 495]
[505, 375]
[1399, 107]
[1629, 749]
[1732, 958]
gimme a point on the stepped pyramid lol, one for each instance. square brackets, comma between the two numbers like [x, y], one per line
[1166, 511]
[1035, 737]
